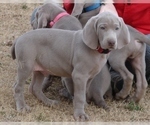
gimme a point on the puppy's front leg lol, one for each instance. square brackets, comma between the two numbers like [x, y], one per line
[80, 82]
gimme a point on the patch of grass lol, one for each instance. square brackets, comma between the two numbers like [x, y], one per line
[28, 81]
[13, 115]
[132, 118]
[133, 107]
[2, 112]
[40, 117]
[24, 6]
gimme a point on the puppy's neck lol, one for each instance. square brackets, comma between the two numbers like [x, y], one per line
[55, 11]
[57, 18]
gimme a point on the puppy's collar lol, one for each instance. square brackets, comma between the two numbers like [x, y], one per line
[57, 18]
[93, 6]
[103, 51]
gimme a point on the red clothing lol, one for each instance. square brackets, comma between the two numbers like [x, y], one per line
[135, 14]
[68, 5]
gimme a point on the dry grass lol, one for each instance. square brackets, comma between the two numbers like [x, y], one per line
[14, 21]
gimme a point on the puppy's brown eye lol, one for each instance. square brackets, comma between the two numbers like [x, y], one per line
[103, 28]
[117, 28]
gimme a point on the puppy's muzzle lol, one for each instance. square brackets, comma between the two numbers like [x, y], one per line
[111, 44]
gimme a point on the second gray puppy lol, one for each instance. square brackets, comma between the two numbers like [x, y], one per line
[100, 86]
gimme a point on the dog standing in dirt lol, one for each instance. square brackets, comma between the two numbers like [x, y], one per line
[36, 49]
[135, 53]
[52, 15]
[104, 75]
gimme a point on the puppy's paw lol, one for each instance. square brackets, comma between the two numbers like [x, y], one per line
[132, 99]
[103, 105]
[51, 102]
[120, 95]
[55, 102]
[80, 116]
[23, 109]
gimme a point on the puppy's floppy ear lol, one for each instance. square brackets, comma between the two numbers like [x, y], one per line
[34, 24]
[77, 10]
[42, 21]
[33, 18]
[124, 36]
[90, 37]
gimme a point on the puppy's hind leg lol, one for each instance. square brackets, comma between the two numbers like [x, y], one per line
[128, 81]
[23, 72]
[37, 80]
[141, 83]
[47, 82]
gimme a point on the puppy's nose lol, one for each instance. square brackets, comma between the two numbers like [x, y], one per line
[111, 43]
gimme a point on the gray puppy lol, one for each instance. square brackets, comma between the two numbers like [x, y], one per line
[67, 54]
[41, 18]
[104, 76]
[95, 92]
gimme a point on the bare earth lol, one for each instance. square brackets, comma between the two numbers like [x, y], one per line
[14, 21]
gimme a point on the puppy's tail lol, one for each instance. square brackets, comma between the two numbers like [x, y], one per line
[13, 55]
[138, 35]
[147, 40]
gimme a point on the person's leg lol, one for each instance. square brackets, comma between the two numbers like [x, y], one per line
[147, 60]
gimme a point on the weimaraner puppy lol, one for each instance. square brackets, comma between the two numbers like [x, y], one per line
[101, 85]
[134, 52]
[99, 100]
[86, 9]
[47, 13]
[66, 53]
[127, 79]
[51, 15]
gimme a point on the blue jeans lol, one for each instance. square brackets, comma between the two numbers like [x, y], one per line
[148, 36]
[147, 61]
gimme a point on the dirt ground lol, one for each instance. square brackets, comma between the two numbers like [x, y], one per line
[14, 21]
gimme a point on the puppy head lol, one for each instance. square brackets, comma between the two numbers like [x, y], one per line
[39, 18]
[107, 31]
[45, 14]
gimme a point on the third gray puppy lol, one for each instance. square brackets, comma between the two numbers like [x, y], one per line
[42, 16]
[96, 91]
